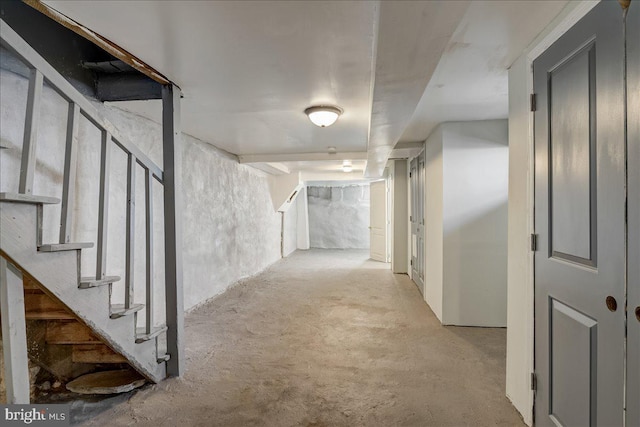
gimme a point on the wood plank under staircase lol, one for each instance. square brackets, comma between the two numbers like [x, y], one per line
[78, 312]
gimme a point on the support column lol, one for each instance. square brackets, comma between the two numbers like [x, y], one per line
[14, 334]
[172, 162]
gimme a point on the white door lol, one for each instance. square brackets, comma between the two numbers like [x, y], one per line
[378, 221]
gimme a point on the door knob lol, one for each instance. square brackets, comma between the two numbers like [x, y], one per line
[612, 304]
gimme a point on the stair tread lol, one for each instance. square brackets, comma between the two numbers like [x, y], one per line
[142, 336]
[69, 333]
[28, 198]
[95, 353]
[41, 306]
[119, 310]
[56, 247]
[92, 282]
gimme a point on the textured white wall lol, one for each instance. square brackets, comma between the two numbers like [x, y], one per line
[230, 228]
[339, 216]
[476, 172]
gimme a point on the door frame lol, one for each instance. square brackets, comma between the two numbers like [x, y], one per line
[567, 18]
[421, 189]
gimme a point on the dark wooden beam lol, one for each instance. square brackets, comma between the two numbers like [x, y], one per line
[126, 87]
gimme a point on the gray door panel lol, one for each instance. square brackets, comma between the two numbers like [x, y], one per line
[579, 219]
[633, 138]
[417, 220]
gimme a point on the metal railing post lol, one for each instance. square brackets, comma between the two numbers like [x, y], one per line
[172, 159]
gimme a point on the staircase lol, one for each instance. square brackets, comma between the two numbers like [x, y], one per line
[80, 323]
[78, 311]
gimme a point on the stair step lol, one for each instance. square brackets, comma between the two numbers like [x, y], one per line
[141, 336]
[28, 198]
[95, 353]
[107, 382]
[69, 333]
[43, 307]
[92, 282]
[57, 247]
[30, 286]
[164, 358]
[119, 310]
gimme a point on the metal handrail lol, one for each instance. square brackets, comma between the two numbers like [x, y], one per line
[41, 70]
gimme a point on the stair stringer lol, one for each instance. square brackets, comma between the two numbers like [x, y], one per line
[59, 274]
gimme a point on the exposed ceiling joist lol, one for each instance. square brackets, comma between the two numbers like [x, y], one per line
[126, 87]
[99, 40]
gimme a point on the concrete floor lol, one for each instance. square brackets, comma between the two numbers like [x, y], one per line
[327, 338]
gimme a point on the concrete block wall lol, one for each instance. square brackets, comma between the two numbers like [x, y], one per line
[230, 228]
[339, 216]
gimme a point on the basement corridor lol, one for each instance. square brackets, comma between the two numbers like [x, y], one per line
[326, 338]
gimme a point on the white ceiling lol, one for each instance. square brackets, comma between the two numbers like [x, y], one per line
[248, 69]
[470, 82]
[325, 166]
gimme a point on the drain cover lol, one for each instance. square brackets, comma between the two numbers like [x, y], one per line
[106, 382]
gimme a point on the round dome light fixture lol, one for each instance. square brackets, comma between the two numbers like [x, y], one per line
[323, 115]
[347, 166]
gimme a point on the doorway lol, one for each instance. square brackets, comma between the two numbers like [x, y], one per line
[416, 179]
[379, 221]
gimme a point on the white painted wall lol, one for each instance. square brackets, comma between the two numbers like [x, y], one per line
[475, 179]
[290, 228]
[283, 189]
[399, 170]
[339, 216]
[433, 208]
[519, 269]
[303, 220]
[230, 229]
[466, 181]
[520, 290]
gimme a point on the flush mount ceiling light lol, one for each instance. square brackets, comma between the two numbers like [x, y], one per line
[323, 115]
[347, 166]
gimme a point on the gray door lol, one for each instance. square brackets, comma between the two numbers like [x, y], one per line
[579, 219]
[416, 175]
[633, 138]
